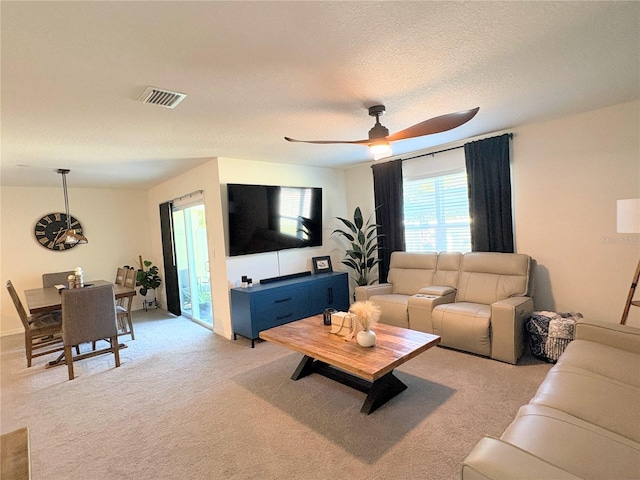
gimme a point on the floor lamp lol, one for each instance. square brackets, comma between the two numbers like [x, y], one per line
[629, 222]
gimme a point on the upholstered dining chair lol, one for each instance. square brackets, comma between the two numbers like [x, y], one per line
[42, 331]
[123, 307]
[89, 315]
[57, 278]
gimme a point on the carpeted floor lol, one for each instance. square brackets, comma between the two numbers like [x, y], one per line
[188, 404]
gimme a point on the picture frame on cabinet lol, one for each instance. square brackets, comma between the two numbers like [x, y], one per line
[321, 264]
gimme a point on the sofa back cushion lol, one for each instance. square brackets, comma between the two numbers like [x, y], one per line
[409, 272]
[490, 277]
[448, 269]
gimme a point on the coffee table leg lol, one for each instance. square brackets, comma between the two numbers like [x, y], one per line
[378, 393]
[382, 390]
[305, 367]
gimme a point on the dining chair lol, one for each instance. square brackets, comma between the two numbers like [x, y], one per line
[123, 307]
[57, 278]
[89, 315]
[42, 331]
[120, 274]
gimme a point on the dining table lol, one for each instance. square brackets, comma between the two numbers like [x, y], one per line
[42, 300]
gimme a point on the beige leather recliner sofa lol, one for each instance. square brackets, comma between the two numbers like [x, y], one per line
[584, 421]
[412, 274]
[476, 302]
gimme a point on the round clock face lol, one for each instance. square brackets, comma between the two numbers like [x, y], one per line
[50, 226]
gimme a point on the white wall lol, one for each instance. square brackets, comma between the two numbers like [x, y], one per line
[205, 178]
[567, 175]
[212, 178]
[114, 221]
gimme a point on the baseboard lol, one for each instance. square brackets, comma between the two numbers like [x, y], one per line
[15, 331]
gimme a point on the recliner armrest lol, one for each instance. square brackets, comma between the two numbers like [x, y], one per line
[507, 328]
[624, 337]
[436, 290]
[364, 292]
[493, 459]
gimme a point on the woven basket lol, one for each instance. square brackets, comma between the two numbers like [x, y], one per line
[550, 333]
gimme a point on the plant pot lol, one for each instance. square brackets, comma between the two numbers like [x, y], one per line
[366, 338]
[149, 300]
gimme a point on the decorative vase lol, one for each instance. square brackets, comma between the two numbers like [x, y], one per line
[366, 338]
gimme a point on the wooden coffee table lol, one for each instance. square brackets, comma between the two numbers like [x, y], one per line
[369, 370]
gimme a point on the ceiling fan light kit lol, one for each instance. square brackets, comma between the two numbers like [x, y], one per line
[379, 141]
[380, 149]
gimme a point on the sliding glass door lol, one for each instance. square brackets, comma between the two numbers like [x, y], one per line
[192, 260]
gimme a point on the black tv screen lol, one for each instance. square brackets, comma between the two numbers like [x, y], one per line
[265, 218]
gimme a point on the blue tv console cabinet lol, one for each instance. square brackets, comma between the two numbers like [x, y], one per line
[268, 305]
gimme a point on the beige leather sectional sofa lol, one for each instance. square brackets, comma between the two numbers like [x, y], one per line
[476, 302]
[584, 421]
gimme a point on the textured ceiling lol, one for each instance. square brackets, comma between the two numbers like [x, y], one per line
[255, 72]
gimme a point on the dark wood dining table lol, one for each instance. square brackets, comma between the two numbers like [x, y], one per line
[40, 300]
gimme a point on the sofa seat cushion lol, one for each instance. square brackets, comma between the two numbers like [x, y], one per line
[393, 309]
[598, 399]
[465, 326]
[557, 437]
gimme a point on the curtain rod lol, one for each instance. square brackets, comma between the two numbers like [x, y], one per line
[188, 195]
[442, 151]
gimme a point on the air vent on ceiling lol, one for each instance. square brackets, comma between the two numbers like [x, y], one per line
[164, 98]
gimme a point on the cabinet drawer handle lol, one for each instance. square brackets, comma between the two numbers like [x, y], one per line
[283, 317]
[283, 300]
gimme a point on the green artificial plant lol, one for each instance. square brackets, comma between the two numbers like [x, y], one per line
[363, 239]
[147, 279]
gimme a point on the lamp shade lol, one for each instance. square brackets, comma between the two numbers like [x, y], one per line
[628, 214]
[71, 237]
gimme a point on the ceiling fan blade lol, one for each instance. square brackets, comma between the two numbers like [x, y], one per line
[435, 125]
[324, 142]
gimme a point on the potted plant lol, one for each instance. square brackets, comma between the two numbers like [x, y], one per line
[362, 238]
[147, 279]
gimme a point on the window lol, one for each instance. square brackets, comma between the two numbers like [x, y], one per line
[436, 213]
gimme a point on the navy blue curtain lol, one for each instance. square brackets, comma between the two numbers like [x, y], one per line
[387, 189]
[489, 181]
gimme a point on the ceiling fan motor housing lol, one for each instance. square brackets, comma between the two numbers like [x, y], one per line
[378, 130]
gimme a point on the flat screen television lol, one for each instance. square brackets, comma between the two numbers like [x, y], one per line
[267, 218]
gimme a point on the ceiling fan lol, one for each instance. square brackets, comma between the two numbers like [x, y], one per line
[379, 141]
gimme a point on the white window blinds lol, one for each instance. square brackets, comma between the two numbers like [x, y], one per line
[436, 213]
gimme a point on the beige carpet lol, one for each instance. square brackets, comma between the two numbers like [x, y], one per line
[187, 404]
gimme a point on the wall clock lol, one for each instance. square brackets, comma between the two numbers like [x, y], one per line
[48, 227]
